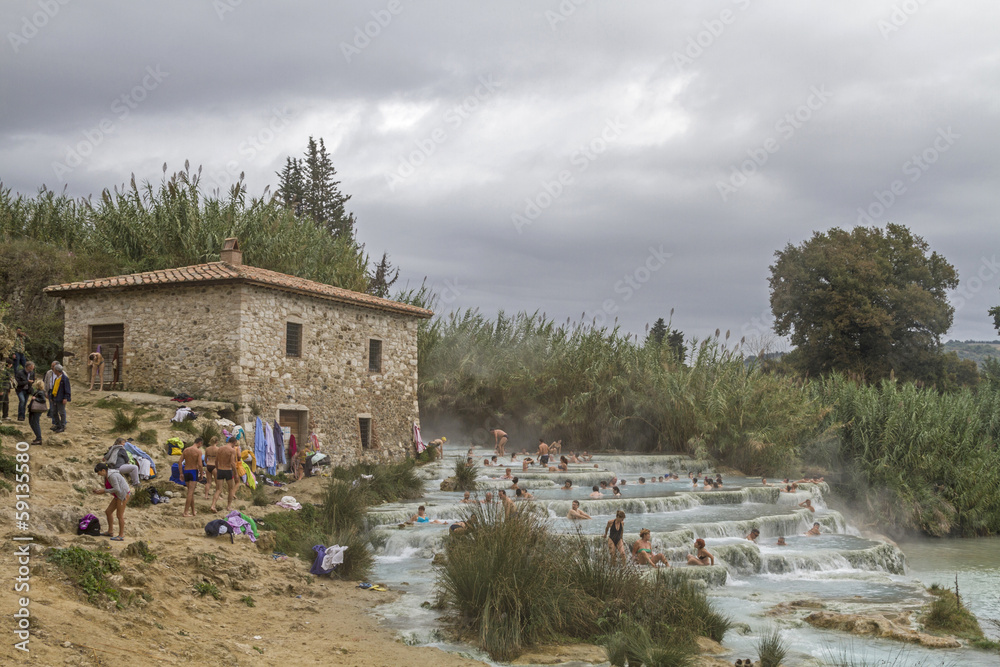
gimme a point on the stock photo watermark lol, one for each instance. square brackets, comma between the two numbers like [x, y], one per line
[552, 189]
[452, 119]
[900, 15]
[913, 168]
[22, 545]
[363, 35]
[631, 283]
[36, 21]
[786, 127]
[251, 147]
[967, 290]
[121, 108]
[711, 30]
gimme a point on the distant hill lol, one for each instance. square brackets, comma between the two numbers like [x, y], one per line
[977, 350]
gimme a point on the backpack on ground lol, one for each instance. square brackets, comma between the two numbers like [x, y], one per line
[89, 525]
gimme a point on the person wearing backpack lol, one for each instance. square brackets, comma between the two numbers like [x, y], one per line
[119, 489]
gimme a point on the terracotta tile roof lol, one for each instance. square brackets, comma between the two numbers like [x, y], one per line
[215, 272]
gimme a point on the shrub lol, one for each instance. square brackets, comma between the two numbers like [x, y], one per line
[946, 614]
[358, 559]
[344, 507]
[89, 570]
[112, 403]
[207, 588]
[187, 426]
[259, 497]
[123, 422]
[248, 601]
[389, 481]
[147, 437]
[465, 476]
[209, 429]
[8, 464]
[139, 549]
[510, 598]
[12, 431]
[771, 648]
[297, 532]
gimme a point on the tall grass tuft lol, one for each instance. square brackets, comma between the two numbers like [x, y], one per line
[508, 598]
[771, 648]
[209, 429]
[343, 507]
[123, 422]
[465, 476]
[147, 437]
[389, 481]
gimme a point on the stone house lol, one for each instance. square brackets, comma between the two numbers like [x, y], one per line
[316, 358]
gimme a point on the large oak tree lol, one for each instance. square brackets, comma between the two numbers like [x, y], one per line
[869, 302]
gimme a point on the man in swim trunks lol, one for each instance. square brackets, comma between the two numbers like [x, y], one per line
[499, 440]
[814, 531]
[210, 452]
[543, 452]
[190, 465]
[576, 513]
[225, 471]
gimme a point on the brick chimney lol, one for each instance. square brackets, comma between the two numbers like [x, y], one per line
[231, 253]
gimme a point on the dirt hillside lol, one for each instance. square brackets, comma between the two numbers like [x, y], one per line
[296, 619]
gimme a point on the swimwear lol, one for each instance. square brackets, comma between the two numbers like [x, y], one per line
[615, 534]
[649, 551]
[454, 527]
[544, 459]
[423, 519]
[190, 475]
[224, 474]
[210, 468]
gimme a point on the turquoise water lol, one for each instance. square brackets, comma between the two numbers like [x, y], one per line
[841, 568]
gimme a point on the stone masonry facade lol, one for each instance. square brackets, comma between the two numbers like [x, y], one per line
[227, 342]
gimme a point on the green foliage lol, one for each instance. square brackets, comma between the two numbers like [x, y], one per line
[465, 476]
[139, 549]
[389, 481]
[248, 601]
[89, 570]
[186, 426]
[771, 648]
[297, 532]
[123, 422]
[977, 351]
[209, 429]
[142, 498]
[509, 599]
[343, 506]
[112, 403]
[259, 496]
[8, 464]
[147, 437]
[916, 459]
[869, 302]
[597, 388]
[204, 588]
[12, 431]
[946, 614]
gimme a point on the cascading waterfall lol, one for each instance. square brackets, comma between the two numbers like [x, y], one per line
[838, 569]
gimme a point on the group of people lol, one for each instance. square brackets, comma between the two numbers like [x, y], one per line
[35, 396]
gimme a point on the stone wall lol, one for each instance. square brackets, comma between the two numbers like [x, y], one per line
[331, 379]
[177, 339]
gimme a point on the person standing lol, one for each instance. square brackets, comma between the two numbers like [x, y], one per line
[36, 406]
[6, 384]
[225, 466]
[190, 466]
[19, 340]
[500, 440]
[210, 453]
[25, 378]
[50, 380]
[60, 399]
[116, 484]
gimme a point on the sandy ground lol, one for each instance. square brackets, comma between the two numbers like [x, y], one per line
[296, 619]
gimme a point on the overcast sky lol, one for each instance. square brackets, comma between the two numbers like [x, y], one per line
[617, 159]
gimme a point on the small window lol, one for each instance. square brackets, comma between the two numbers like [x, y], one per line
[365, 425]
[375, 355]
[293, 340]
